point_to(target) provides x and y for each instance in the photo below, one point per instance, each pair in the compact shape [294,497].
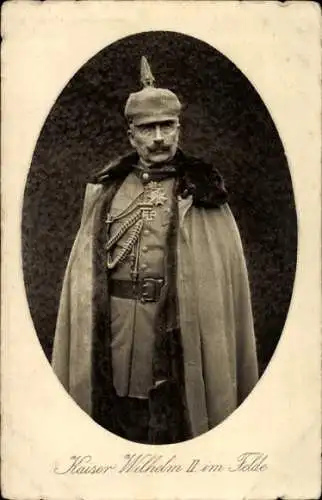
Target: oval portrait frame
[225,122]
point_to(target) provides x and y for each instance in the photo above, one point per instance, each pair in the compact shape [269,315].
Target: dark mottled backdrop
[224,117]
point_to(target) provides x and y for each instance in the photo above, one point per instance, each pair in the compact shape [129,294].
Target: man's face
[155,142]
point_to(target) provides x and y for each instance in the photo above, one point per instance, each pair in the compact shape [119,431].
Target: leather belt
[145,289]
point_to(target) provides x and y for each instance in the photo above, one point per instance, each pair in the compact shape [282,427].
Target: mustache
[158,149]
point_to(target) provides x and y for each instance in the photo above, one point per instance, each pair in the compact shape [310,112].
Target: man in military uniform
[154,336]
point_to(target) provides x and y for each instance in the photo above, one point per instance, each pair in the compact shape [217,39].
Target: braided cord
[123,229]
[126,250]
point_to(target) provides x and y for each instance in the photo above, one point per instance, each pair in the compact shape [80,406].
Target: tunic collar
[146,174]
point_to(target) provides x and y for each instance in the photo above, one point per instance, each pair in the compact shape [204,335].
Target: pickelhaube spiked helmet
[151,103]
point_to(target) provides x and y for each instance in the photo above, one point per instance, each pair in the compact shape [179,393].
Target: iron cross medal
[155,194]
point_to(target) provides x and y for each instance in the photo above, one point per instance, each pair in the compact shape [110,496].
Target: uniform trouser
[132,418]
[157,420]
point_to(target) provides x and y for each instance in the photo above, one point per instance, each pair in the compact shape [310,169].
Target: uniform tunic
[132,321]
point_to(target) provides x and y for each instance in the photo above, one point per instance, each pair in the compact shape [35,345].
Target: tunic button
[146,232]
[143,267]
[145,176]
[145,249]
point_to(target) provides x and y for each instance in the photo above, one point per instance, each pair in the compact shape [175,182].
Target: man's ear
[130,136]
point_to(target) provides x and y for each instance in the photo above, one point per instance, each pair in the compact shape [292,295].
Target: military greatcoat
[198,334]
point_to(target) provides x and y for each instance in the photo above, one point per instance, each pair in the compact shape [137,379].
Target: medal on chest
[154,196]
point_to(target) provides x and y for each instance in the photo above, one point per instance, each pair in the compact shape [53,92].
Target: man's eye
[167,126]
[145,129]
[167,130]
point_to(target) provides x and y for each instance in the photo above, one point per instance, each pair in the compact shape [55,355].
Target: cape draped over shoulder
[215,314]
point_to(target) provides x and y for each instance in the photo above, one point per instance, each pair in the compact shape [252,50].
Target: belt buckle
[151,288]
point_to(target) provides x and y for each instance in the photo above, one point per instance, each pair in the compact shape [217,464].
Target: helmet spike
[151,104]
[147,79]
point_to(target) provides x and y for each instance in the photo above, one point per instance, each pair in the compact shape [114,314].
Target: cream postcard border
[277,48]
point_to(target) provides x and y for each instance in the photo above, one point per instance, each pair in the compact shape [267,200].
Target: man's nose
[158,135]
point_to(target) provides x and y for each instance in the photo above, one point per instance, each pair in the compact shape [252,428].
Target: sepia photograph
[144,164]
[161,251]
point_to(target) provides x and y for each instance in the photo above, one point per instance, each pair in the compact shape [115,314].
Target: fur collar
[195,177]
